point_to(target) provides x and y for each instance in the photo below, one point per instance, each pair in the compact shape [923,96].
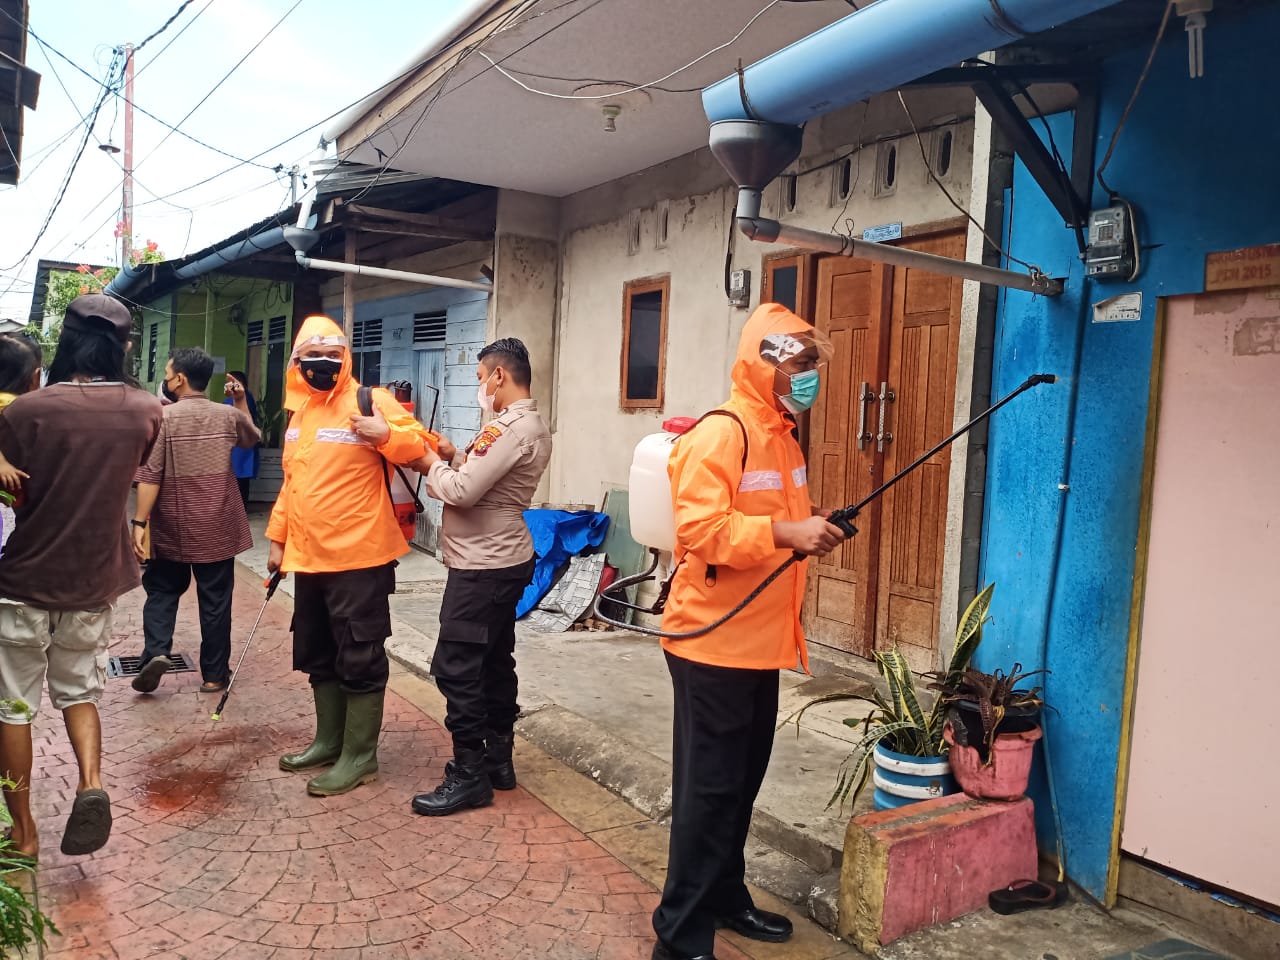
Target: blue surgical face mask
[804,391]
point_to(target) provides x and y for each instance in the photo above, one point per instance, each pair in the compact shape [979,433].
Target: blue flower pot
[900,779]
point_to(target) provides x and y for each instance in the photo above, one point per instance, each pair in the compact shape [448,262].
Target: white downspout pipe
[337,266]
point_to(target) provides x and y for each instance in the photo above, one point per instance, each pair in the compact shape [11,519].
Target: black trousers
[474,663]
[341,622]
[724,722]
[165,582]
[243,483]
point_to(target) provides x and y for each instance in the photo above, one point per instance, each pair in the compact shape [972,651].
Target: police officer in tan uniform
[489,552]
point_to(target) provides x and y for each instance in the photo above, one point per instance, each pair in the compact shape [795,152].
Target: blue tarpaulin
[557,536]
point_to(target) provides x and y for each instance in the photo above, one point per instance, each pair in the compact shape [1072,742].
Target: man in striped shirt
[188,495]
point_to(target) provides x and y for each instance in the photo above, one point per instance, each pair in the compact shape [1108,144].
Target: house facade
[1127,519]
[615,254]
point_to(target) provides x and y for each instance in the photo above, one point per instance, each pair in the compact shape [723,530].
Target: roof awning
[880,47]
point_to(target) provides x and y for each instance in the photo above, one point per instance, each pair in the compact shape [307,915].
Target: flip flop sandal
[89,825]
[1027,895]
[211,686]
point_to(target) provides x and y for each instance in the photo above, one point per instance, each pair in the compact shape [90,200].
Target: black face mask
[168,394]
[320,372]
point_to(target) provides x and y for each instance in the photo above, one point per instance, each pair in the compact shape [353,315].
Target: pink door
[1204,780]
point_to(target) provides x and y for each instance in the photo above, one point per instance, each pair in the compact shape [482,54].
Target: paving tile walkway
[218,853]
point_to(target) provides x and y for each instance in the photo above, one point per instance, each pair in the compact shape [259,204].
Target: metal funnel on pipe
[754,152]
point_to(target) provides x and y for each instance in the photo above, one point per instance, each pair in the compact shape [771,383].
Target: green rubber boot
[359,761]
[331,716]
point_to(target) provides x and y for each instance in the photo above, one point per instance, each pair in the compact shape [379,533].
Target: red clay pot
[1005,777]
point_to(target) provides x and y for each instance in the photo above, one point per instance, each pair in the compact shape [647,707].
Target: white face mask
[485,399]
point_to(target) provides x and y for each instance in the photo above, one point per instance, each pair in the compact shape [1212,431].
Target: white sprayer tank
[652,518]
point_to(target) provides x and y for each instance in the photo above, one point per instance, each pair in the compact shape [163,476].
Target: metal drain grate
[129,666]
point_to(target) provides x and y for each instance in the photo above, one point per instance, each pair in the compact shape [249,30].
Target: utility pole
[293,183]
[126,238]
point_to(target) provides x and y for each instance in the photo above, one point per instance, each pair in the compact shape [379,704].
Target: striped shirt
[199,516]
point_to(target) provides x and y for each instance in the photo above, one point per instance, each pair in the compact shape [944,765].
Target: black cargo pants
[474,663]
[341,622]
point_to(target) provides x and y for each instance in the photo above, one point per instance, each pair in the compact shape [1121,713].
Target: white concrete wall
[594,438]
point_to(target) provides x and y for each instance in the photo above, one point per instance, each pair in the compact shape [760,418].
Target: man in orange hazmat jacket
[742,506]
[333,526]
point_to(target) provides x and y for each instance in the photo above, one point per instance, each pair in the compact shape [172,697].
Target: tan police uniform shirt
[485,498]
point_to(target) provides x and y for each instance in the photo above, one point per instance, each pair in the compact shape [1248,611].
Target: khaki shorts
[67,646]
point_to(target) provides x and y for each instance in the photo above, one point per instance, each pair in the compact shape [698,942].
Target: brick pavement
[218,853]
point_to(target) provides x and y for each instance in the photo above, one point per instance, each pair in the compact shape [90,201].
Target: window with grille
[255,333]
[429,327]
[276,330]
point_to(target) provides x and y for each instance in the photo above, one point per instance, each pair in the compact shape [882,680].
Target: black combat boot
[497,757]
[466,784]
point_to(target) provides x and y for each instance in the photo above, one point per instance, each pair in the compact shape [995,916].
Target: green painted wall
[216,314]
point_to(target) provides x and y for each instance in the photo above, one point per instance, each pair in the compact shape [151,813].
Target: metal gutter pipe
[465,14]
[337,266]
[771,231]
[220,258]
[881,46]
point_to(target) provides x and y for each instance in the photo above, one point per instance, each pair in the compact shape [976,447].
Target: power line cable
[165,26]
[641,86]
[1133,97]
[924,155]
[176,127]
[66,180]
[172,40]
[147,113]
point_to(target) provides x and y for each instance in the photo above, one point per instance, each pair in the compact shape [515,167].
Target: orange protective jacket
[724,516]
[334,512]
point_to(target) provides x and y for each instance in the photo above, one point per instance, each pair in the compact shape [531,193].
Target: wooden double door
[887,397]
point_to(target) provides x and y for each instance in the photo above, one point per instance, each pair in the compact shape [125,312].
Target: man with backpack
[741,497]
[333,526]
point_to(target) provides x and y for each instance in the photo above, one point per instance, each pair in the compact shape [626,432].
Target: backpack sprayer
[842,519]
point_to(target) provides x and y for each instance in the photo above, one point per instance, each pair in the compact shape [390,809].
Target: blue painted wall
[1198,159]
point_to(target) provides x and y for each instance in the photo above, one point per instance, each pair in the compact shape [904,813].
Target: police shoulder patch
[486,439]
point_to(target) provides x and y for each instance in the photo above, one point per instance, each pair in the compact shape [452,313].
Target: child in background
[20,361]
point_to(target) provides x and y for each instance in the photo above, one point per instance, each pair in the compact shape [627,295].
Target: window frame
[806,265]
[631,289]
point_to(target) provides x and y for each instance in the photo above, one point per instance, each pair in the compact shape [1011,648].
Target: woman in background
[244,462]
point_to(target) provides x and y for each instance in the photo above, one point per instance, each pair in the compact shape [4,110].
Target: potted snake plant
[900,745]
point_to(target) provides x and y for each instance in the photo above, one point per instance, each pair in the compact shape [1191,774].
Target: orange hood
[315,329]
[752,374]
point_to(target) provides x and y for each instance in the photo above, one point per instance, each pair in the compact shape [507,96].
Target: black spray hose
[842,519]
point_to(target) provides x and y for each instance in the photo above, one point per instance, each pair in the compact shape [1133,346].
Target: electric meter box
[1112,251]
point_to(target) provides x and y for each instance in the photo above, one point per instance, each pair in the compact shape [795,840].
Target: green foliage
[66,285]
[898,717]
[21,923]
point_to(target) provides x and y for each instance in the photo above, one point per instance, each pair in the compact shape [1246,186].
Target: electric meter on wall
[1112,252]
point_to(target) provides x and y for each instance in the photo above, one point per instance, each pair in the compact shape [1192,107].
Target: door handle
[866,397]
[886,397]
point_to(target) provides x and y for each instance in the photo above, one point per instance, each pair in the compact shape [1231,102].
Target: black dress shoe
[662,951]
[759,925]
